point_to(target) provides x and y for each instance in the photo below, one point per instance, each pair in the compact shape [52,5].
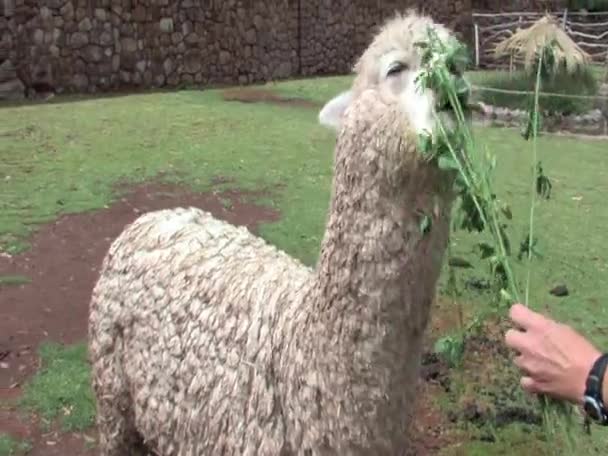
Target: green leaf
[461,87]
[543,187]
[525,250]
[543,183]
[425,224]
[506,296]
[506,210]
[459,183]
[425,144]
[487,250]
[505,239]
[472,219]
[457,262]
[451,348]
[447,163]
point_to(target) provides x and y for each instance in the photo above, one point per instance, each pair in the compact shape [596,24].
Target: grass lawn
[61,388]
[67,155]
[7,280]
[12,447]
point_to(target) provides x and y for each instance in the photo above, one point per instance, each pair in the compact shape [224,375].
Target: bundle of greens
[454,149]
[478,207]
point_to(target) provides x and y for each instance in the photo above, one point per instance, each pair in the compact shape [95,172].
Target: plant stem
[469,175]
[535,114]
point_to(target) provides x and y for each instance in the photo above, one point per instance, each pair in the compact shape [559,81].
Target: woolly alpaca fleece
[206,340]
[395,42]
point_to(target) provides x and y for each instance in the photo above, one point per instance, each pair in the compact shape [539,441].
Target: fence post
[565,18]
[8,8]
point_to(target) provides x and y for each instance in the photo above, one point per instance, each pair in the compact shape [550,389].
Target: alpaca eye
[396,68]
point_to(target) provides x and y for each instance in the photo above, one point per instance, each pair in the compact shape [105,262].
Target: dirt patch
[429,431]
[45,442]
[251,95]
[63,264]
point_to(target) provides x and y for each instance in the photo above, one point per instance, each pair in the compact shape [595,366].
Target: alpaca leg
[114,436]
[117,434]
[115,421]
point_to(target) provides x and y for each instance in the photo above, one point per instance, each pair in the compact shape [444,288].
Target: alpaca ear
[333,111]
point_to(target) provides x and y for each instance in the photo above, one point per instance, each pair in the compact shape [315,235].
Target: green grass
[61,390]
[319,90]
[13,280]
[12,447]
[68,156]
[567,225]
[514,439]
[589,5]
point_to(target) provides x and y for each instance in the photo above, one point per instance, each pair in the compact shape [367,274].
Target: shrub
[589,5]
[583,82]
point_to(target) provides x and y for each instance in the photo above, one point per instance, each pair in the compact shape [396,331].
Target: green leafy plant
[589,5]
[556,98]
[543,184]
[450,348]
[454,150]
[13,447]
[479,208]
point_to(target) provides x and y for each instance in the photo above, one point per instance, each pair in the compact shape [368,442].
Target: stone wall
[93,45]
[518,5]
[88,45]
[335,32]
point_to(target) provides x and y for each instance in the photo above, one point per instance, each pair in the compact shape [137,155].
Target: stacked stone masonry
[98,45]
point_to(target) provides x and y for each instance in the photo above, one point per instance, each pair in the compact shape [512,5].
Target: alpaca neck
[377,271]
[354,341]
[372,293]
[376,267]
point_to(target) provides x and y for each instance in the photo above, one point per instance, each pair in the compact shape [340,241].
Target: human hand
[555,359]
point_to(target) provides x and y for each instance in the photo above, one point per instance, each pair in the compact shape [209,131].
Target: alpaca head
[391,65]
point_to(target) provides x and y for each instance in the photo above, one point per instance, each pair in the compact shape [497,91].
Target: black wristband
[594,401]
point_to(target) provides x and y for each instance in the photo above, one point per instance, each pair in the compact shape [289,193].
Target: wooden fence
[588,30]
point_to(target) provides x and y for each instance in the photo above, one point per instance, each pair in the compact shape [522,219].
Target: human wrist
[585,370]
[596,392]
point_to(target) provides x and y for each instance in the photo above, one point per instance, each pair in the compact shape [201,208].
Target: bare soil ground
[63,264]
[260,95]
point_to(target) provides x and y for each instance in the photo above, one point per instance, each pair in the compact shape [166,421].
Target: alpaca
[206,340]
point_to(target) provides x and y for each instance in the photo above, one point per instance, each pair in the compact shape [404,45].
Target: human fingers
[529,385]
[517,340]
[527,319]
[523,363]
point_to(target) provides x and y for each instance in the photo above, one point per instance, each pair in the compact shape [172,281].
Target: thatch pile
[546,32]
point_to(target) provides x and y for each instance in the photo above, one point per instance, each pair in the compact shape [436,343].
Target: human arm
[555,359]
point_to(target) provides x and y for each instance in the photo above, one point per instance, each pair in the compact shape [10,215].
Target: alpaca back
[183,318]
